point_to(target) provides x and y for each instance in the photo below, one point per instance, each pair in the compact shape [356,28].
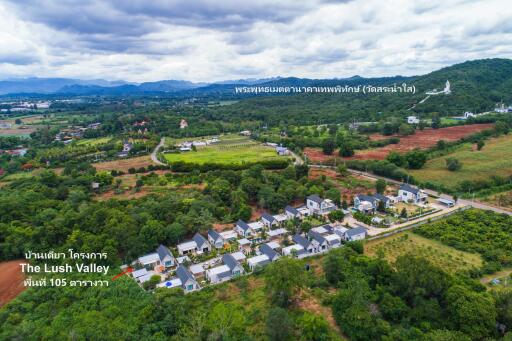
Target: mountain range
[490,78]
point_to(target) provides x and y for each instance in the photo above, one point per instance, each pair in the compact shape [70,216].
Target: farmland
[230,150]
[494,159]
[421,139]
[124,164]
[448,258]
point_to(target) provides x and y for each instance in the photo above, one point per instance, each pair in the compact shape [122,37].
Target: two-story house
[319,206]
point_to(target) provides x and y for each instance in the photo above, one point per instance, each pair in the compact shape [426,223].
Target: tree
[403,213]
[470,312]
[441,144]
[279,326]
[380,186]
[480,144]
[346,150]
[381,206]
[336,215]
[416,158]
[283,279]
[406,129]
[436,120]
[313,327]
[333,194]
[328,146]
[396,158]
[342,170]
[453,164]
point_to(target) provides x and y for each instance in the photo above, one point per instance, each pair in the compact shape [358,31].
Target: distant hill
[48,85]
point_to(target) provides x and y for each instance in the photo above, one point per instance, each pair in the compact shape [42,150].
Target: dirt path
[308,302]
[499,274]
[154,157]
[11,280]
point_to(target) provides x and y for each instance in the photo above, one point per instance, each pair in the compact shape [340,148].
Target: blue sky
[214,40]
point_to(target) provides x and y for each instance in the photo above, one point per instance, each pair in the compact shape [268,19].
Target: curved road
[155,151]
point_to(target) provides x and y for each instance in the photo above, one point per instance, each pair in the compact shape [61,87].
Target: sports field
[231,149]
[495,158]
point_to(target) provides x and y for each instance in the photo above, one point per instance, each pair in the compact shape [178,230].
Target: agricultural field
[421,139]
[448,258]
[231,149]
[494,159]
[94,141]
[349,185]
[124,164]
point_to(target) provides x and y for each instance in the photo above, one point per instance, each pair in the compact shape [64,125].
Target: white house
[202,244]
[268,220]
[242,228]
[272,254]
[323,245]
[308,246]
[188,282]
[162,257]
[258,261]
[357,233]
[187,247]
[412,194]
[294,249]
[413,120]
[333,240]
[317,205]
[370,203]
[215,239]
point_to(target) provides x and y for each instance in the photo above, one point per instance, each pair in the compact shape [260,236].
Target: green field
[94,141]
[232,149]
[446,257]
[494,159]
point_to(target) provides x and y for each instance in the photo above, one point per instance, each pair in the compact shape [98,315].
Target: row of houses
[369,204]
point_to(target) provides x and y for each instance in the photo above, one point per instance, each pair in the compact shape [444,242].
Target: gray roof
[230,261]
[184,275]
[268,217]
[268,251]
[409,188]
[243,225]
[226,274]
[163,252]
[315,198]
[316,236]
[214,234]
[292,210]
[381,197]
[329,228]
[355,231]
[301,241]
[199,239]
[364,197]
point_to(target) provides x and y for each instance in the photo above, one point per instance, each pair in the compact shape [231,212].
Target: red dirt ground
[11,280]
[422,139]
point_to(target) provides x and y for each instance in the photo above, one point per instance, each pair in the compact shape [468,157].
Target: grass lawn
[94,141]
[494,159]
[446,257]
[232,149]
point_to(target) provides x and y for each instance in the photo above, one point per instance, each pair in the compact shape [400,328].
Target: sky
[206,41]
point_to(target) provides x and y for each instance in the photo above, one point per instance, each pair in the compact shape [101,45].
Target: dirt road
[11,280]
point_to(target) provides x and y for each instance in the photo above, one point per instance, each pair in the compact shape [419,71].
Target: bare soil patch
[124,164]
[11,280]
[422,139]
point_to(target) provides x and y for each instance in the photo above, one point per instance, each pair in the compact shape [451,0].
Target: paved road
[464,202]
[155,151]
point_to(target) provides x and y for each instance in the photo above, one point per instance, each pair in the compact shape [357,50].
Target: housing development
[276,171]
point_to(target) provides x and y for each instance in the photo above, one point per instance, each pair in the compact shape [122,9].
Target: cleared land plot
[231,149]
[446,257]
[502,200]
[421,139]
[124,164]
[494,159]
[11,280]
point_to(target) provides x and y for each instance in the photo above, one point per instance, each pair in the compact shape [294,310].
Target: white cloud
[206,40]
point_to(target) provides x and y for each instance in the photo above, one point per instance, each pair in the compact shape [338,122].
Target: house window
[236,273]
[205,249]
[190,287]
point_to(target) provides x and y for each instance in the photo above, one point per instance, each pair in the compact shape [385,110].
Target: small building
[369,204]
[258,261]
[269,252]
[232,263]
[243,229]
[292,212]
[282,151]
[412,194]
[354,234]
[308,246]
[187,247]
[188,282]
[229,235]
[202,244]
[268,220]
[413,120]
[245,245]
[218,274]
[166,257]
[333,240]
[294,250]
[239,256]
[215,239]
[319,206]
[277,233]
[245,133]
[183,124]
[446,202]
[149,261]
[321,242]
[197,270]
